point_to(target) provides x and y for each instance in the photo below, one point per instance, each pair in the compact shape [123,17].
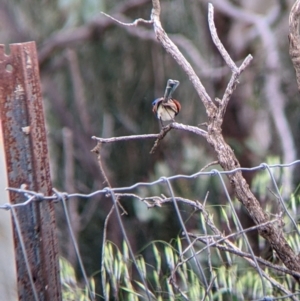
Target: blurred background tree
[100,78]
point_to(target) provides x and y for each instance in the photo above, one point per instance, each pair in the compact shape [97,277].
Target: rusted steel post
[27,163]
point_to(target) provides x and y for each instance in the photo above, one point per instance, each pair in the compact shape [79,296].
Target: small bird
[166,108]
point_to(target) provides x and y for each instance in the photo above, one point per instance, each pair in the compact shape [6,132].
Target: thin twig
[161,136]
[125,138]
[213,31]
[97,151]
[209,164]
[231,64]
[134,23]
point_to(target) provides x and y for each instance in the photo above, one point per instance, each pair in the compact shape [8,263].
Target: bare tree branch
[234,69]
[173,125]
[274,96]
[217,41]
[134,23]
[218,240]
[226,156]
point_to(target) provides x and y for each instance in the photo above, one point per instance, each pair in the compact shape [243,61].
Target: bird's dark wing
[173,104]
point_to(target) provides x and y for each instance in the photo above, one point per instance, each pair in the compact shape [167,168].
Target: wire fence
[196,258]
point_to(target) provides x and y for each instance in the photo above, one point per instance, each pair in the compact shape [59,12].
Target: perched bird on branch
[166,108]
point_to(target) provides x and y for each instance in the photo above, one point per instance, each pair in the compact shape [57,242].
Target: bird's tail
[170,88]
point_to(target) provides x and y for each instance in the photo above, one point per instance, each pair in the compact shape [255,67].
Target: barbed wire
[218,240]
[37,196]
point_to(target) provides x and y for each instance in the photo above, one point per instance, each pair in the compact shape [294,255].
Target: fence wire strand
[214,172]
[240,228]
[217,240]
[22,244]
[62,198]
[111,193]
[201,272]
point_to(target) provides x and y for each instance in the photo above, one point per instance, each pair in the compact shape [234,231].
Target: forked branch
[225,154]
[270,231]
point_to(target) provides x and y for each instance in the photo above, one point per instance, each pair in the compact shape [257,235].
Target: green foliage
[170,273]
[230,282]
[71,289]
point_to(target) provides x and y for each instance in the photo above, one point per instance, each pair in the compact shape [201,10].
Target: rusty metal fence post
[27,164]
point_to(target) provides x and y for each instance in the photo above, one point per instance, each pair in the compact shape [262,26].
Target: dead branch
[218,240]
[97,151]
[160,136]
[225,154]
[234,69]
[134,23]
[274,96]
[214,137]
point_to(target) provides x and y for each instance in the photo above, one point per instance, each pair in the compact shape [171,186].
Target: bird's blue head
[155,101]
